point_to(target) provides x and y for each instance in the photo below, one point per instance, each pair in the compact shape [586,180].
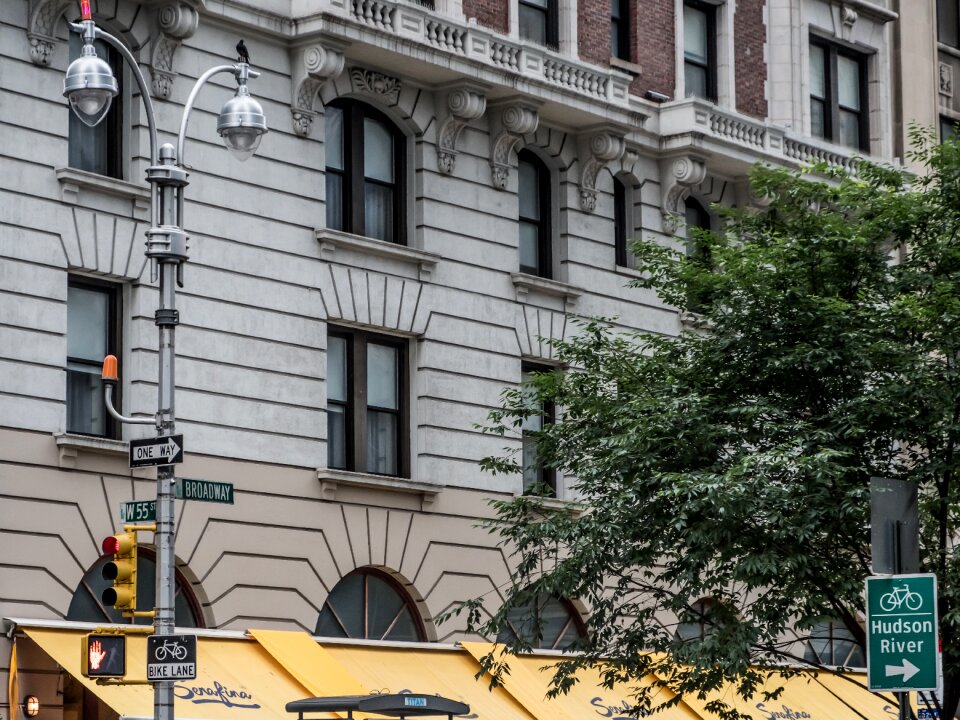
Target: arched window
[558,623]
[98,149]
[831,643]
[697,217]
[620,230]
[533,195]
[697,623]
[86,605]
[364,171]
[370,605]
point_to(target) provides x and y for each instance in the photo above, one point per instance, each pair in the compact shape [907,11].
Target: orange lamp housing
[109,372]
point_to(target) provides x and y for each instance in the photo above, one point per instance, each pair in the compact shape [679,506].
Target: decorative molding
[597,147]
[41,28]
[463,103]
[332,240]
[330,479]
[946,79]
[527,285]
[312,66]
[176,21]
[677,177]
[385,88]
[74,182]
[514,119]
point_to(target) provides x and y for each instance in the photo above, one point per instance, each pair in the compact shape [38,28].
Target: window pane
[383,605]
[529,248]
[382,432]
[818,118]
[695,80]
[334,201]
[337,368]
[97,149]
[378,211]
[553,621]
[333,124]
[405,629]
[848,88]
[818,72]
[377,151]
[695,34]
[533,24]
[382,375]
[947,128]
[346,599]
[614,35]
[86,411]
[87,319]
[337,436]
[948,22]
[849,129]
[528,190]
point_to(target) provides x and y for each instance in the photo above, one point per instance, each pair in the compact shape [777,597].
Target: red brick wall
[749,36]
[593,31]
[652,39]
[494,14]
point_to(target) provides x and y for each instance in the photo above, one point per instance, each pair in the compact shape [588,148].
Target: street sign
[166,450]
[205,490]
[138,511]
[902,633]
[171,657]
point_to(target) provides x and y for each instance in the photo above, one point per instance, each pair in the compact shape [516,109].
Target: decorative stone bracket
[463,102]
[512,120]
[597,147]
[312,66]
[677,176]
[41,28]
[177,21]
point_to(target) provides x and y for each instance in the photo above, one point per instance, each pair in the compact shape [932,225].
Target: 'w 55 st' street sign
[902,632]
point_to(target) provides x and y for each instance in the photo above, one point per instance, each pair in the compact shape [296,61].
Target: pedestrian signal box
[104,655]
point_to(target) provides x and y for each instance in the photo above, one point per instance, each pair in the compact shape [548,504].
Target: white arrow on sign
[168,450]
[908,670]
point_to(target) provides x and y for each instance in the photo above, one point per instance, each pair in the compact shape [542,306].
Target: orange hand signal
[96,655]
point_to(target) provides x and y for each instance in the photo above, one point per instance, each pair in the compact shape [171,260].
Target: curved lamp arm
[108,397]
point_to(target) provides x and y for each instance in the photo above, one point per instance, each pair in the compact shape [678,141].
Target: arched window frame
[542,224]
[366,573]
[699,628]
[349,215]
[533,610]
[830,643]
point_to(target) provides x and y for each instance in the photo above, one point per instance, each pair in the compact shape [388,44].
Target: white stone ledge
[73,182]
[526,285]
[330,479]
[332,240]
[70,445]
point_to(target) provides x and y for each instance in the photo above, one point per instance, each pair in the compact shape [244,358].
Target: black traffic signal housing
[122,571]
[104,655]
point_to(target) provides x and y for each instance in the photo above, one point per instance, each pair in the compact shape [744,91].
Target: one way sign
[167,450]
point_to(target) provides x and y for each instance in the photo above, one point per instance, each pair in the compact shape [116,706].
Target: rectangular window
[620,29]
[948,128]
[700,50]
[92,333]
[838,95]
[620,221]
[98,149]
[366,403]
[948,22]
[535,474]
[539,22]
[533,197]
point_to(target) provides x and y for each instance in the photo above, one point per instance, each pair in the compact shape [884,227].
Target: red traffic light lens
[111,545]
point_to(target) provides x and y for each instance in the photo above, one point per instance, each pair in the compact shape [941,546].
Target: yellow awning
[529,682]
[236,678]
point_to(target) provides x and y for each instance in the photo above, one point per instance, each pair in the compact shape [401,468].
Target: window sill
[626,66]
[70,445]
[331,478]
[628,271]
[571,507]
[73,182]
[525,284]
[694,321]
[331,240]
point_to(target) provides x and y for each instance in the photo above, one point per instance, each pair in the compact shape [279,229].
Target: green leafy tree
[734,462]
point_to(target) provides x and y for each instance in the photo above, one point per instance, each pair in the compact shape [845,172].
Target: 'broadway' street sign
[902,632]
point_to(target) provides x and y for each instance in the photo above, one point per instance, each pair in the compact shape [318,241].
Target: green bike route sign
[902,633]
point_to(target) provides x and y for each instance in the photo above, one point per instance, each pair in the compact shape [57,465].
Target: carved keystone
[513,119]
[312,66]
[464,102]
[597,147]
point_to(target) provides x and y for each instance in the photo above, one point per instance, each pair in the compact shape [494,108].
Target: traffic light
[122,570]
[104,655]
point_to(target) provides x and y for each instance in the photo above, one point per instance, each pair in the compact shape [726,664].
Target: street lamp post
[90,87]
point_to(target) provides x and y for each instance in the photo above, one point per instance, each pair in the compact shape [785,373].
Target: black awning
[403,705]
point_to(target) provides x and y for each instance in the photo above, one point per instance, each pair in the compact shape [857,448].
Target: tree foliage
[734,462]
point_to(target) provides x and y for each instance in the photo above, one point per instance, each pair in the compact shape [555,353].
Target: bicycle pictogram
[171,649]
[900,597]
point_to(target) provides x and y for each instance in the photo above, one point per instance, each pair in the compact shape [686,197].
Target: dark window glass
[364,172]
[92,321]
[699,50]
[536,476]
[697,217]
[620,29]
[539,21]
[838,95]
[533,197]
[620,221]
[98,149]
[86,606]
[366,408]
[369,605]
[831,643]
[548,623]
[948,128]
[948,22]
[697,622]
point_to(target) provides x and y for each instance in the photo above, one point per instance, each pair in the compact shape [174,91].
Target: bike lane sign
[902,633]
[171,657]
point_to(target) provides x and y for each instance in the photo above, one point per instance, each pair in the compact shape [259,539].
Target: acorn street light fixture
[90,87]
